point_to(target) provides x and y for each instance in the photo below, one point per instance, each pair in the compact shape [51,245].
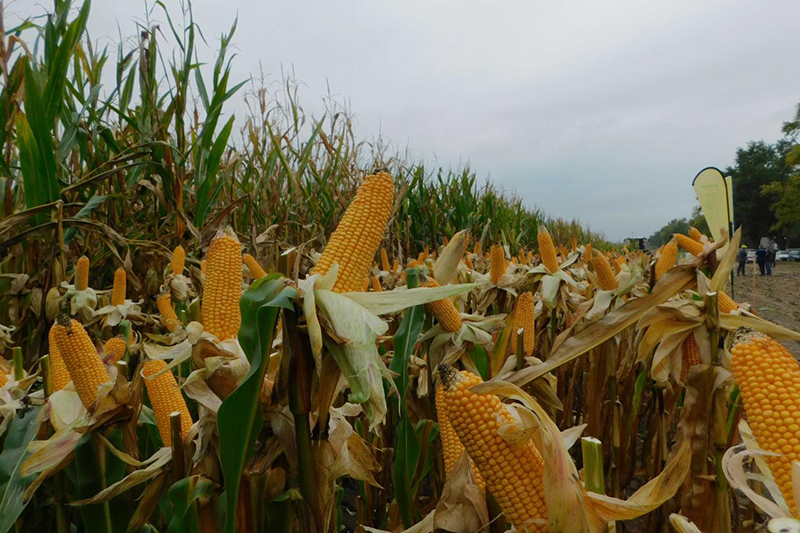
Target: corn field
[269,325]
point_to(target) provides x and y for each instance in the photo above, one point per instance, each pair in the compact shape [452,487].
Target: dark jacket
[761,255]
[742,256]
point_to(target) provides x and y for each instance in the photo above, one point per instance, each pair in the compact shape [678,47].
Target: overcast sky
[602,111]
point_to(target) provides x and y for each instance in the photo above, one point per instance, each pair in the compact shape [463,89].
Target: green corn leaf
[181,496]
[21,431]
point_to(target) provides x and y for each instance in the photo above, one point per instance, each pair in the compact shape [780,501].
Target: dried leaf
[462,507]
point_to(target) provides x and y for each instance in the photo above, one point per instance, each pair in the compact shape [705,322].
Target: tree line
[766,192]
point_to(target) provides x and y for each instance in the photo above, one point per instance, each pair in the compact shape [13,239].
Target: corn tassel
[220,305]
[165,398]
[85,368]
[359,234]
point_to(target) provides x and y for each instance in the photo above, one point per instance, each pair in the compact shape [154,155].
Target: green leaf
[181,496]
[239,419]
[21,431]
[85,211]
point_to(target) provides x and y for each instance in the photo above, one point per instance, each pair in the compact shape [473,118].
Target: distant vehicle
[794,254]
[783,255]
[751,256]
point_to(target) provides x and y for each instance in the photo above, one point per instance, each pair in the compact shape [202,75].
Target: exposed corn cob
[365,285]
[178,260]
[587,254]
[574,243]
[478,249]
[220,306]
[59,375]
[695,234]
[521,256]
[3,378]
[396,265]
[165,398]
[497,263]
[120,287]
[546,249]
[82,274]
[669,253]
[444,310]
[203,266]
[605,278]
[513,261]
[359,234]
[725,302]
[469,264]
[385,266]
[690,245]
[114,348]
[525,319]
[169,318]
[422,257]
[452,449]
[252,265]
[376,285]
[769,380]
[530,257]
[514,477]
[85,368]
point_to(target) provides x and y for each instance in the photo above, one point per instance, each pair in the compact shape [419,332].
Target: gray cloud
[602,111]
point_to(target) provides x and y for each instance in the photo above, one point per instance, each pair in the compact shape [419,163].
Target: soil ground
[775,298]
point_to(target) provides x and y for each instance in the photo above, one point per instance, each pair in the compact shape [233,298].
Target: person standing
[742,257]
[770,260]
[761,259]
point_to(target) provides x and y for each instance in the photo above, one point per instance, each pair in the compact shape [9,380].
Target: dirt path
[775,298]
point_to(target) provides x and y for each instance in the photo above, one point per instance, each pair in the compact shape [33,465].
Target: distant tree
[698,221]
[662,236]
[757,165]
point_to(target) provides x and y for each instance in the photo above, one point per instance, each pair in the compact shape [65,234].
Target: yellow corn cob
[220,306]
[3,378]
[421,257]
[85,368]
[769,380]
[169,318]
[252,265]
[514,477]
[178,260]
[385,266]
[525,319]
[546,249]
[59,375]
[690,245]
[427,251]
[444,310]
[82,273]
[691,355]
[530,258]
[396,265]
[452,449]
[120,287]
[695,234]
[514,261]
[605,278]
[574,243]
[469,263]
[497,263]
[203,266]
[521,256]
[622,260]
[114,348]
[725,302]
[359,234]
[365,285]
[446,240]
[165,398]
[376,284]
[667,260]
[587,254]
[478,249]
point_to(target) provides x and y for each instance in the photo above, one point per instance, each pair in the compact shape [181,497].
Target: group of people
[765,259]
